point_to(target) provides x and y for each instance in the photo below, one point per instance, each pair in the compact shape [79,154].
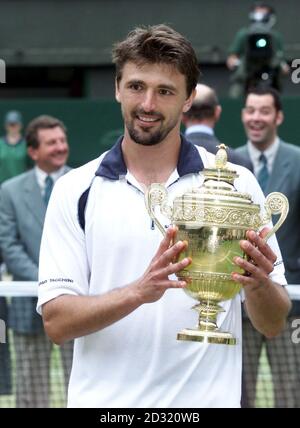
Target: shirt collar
[270,152]
[41,175]
[113,165]
[21,140]
[199,128]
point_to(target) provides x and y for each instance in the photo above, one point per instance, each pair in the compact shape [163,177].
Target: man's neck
[151,164]
[206,122]
[263,146]
[13,138]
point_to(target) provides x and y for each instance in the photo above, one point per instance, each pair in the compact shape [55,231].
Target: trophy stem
[208,315]
[207,330]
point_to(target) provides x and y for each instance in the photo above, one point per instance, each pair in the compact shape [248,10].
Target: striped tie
[48,188]
[263,175]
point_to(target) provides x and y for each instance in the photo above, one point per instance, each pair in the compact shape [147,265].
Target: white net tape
[25,288]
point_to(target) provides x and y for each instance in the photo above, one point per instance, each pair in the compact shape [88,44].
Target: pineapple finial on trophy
[221,157]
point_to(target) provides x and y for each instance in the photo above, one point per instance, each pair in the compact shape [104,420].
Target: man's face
[13,127]
[152,97]
[53,149]
[261,119]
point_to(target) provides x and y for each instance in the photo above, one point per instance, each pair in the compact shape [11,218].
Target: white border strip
[18,288]
[27,288]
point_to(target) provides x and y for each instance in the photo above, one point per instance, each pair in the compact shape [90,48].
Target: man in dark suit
[276,166]
[200,121]
[23,202]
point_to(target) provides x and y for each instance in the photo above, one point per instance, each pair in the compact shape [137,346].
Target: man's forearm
[267,307]
[68,317]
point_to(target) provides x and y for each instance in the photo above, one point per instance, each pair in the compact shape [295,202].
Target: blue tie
[48,188]
[263,175]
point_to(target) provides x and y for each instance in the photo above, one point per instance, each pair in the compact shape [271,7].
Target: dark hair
[266,90]
[158,44]
[203,108]
[41,122]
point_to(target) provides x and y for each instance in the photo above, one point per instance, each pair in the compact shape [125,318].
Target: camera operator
[256,54]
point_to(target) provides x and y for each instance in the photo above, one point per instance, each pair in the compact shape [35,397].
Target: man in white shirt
[23,201]
[276,166]
[106,276]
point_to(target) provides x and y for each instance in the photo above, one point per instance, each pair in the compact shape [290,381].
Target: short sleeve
[63,265]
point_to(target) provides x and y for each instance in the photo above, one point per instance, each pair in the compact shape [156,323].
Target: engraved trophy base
[216,337]
[207,330]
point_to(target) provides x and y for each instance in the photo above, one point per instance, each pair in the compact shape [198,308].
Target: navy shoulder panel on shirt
[82,206]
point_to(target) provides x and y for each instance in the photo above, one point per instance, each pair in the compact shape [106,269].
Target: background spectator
[23,202]
[276,166]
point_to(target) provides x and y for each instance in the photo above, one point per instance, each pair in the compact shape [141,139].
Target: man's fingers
[170,255]
[245,280]
[263,233]
[167,283]
[248,266]
[260,243]
[174,267]
[256,257]
[166,242]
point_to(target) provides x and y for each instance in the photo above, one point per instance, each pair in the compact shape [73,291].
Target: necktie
[48,188]
[263,175]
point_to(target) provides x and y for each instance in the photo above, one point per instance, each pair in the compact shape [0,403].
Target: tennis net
[35,373]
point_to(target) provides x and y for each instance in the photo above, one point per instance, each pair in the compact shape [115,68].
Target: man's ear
[218,111]
[32,152]
[279,118]
[189,101]
[117,92]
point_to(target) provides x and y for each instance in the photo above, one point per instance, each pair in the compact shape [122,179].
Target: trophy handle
[276,203]
[157,194]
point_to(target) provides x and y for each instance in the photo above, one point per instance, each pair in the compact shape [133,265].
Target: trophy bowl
[213,219]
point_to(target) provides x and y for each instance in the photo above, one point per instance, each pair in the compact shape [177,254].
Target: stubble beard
[262,141]
[147,136]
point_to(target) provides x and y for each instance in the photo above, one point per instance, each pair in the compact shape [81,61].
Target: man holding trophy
[106,275]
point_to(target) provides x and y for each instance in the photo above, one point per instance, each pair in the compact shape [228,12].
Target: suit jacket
[209,142]
[285,178]
[22,213]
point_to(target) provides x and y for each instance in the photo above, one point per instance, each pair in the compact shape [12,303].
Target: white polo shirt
[137,361]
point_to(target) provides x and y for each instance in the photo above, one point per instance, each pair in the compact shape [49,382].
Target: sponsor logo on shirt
[51,280]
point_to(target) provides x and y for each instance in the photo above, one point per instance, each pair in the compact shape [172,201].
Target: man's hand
[259,262]
[267,303]
[152,285]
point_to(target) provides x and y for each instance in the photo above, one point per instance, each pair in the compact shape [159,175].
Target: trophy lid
[217,201]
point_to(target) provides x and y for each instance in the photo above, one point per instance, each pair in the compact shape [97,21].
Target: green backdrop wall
[82,32]
[93,126]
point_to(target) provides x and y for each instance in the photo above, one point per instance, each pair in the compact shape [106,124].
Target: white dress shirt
[41,177]
[270,154]
[199,128]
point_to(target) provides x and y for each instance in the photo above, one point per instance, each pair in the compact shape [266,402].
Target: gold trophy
[213,219]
